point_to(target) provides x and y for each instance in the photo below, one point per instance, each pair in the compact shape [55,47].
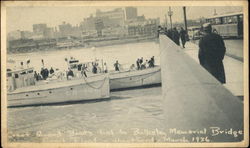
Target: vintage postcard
[124,74]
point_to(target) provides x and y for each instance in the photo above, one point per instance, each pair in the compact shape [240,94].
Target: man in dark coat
[176,36]
[211,53]
[183,35]
[170,34]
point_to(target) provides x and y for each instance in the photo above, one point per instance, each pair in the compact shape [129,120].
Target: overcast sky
[22,18]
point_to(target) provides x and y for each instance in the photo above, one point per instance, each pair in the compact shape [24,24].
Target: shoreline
[93,44]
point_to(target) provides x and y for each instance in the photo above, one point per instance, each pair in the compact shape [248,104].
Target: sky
[22,18]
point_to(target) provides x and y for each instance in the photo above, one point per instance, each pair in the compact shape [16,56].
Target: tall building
[99,26]
[88,23]
[131,13]
[113,18]
[65,29]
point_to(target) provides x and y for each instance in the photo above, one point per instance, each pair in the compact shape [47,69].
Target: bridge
[195,100]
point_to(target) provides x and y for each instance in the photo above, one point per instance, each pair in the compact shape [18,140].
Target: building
[114,18]
[89,33]
[131,13]
[15,35]
[143,28]
[49,33]
[88,23]
[115,32]
[65,29]
[99,25]
[39,28]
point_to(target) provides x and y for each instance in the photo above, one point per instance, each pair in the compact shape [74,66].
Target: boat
[135,78]
[125,79]
[24,90]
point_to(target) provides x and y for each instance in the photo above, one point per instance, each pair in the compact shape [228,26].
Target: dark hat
[207,26]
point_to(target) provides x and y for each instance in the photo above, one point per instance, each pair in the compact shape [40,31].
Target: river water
[128,116]
[126,54]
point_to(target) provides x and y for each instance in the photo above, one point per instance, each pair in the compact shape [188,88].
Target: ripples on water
[142,109]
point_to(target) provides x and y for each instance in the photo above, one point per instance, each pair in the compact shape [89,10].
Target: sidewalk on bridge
[233,69]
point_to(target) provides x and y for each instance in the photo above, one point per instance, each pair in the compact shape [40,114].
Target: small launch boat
[135,78]
[24,90]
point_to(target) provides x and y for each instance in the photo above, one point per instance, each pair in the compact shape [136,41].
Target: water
[125,111]
[126,54]
[128,116]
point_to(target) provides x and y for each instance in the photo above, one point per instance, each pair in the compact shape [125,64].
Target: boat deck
[47,85]
[128,73]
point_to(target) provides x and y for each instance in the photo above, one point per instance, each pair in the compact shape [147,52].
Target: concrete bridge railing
[195,100]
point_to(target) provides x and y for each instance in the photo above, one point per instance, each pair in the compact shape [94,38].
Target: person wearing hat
[183,35]
[211,53]
[176,36]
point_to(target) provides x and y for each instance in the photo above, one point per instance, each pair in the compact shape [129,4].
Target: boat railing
[134,70]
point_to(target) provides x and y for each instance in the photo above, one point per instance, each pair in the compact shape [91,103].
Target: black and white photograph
[135,73]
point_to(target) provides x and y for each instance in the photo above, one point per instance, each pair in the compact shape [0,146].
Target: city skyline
[25,17]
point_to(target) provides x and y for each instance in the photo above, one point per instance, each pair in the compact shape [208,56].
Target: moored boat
[135,78]
[24,90]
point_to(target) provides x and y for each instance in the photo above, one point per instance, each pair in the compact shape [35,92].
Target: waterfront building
[113,18]
[143,28]
[26,34]
[88,23]
[115,32]
[14,35]
[131,13]
[49,33]
[65,29]
[99,26]
[89,33]
[39,29]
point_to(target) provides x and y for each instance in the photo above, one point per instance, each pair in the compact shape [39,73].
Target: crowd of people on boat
[140,64]
[145,64]
[175,35]
[44,74]
[92,67]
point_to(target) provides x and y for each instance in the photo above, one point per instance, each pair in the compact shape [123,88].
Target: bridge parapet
[195,100]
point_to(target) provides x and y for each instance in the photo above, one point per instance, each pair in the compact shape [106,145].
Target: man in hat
[176,36]
[183,35]
[211,53]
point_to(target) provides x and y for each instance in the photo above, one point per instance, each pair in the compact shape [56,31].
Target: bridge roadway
[233,68]
[194,99]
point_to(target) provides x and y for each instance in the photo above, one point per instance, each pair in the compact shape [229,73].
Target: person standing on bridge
[211,53]
[176,36]
[183,35]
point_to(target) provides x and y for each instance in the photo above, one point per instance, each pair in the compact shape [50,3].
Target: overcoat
[211,54]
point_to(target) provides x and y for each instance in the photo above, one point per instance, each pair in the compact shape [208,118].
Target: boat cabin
[20,78]
[75,65]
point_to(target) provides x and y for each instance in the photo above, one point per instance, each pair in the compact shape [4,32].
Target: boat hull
[137,78]
[93,88]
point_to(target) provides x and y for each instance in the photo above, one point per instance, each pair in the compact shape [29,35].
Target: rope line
[94,86]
